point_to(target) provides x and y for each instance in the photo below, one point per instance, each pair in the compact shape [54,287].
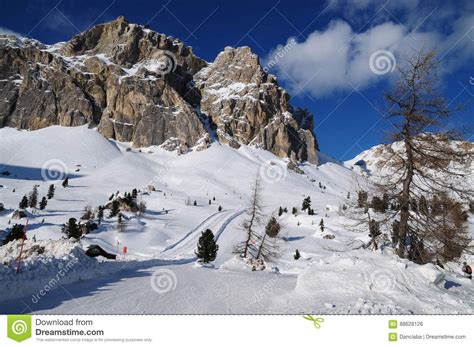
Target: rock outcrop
[249,107]
[139,86]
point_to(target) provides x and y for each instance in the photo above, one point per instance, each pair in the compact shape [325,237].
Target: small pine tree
[100,214]
[71,229]
[294,210]
[88,213]
[374,232]
[297,255]
[207,247]
[195,203]
[310,212]
[134,193]
[141,207]
[362,197]
[111,197]
[114,209]
[306,203]
[120,223]
[280,211]
[321,225]
[210,202]
[24,202]
[65,182]
[285,210]
[214,198]
[220,208]
[33,200]
[43,203]
[378,204]
[348,195]
[268,248]
[17,233]
[51,190]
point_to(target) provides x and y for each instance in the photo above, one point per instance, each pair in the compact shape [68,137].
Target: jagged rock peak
[113,76]
[248,107]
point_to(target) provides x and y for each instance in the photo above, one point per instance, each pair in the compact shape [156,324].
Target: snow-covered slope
[332,276]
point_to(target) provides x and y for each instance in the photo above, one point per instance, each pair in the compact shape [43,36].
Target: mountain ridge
[137,85]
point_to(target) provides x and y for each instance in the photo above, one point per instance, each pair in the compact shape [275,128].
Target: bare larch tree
[251,222]
[430,160]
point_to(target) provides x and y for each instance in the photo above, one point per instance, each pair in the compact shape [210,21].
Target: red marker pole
[21,248]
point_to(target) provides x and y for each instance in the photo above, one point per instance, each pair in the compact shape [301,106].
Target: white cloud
[336,58]
[6,31]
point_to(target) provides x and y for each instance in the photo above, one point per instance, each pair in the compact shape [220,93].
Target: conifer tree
[17,233]
[24,202]
[120,223]
[33,200]
[114,209]
[420,115]
[207,247]
[268,248]
[297,255]
[252,220]
[321,225]
[43,203]
[51,190]
[100,214]
[306,203]
[65,182]
[280,211]
[71,229]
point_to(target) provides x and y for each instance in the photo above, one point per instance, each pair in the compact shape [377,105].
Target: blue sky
[325,65]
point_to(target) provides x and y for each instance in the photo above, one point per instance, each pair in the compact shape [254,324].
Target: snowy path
[197,290]
[217,222]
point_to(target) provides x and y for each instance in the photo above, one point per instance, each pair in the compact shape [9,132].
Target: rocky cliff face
[143,87]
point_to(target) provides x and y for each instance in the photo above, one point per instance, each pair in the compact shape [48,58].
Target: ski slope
[332,276]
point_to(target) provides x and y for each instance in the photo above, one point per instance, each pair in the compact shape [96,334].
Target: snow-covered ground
[159,273]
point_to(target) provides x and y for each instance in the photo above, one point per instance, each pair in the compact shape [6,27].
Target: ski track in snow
[217,221]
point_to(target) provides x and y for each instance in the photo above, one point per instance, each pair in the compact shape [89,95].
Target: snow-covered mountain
[372,163]
[159,274]
[140,86]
